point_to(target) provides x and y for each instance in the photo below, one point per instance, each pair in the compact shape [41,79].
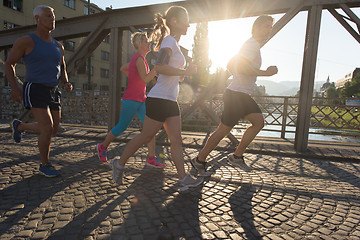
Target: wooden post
[307,78]
[284,117]
[115,76]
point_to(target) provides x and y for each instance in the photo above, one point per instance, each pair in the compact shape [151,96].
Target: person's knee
[222,130]
[259,124]
[176,142]
[147,139]
[46,130]
[55,130]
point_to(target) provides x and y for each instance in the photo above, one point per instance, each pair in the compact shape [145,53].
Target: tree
[332,94]
[201,54]
[351,89]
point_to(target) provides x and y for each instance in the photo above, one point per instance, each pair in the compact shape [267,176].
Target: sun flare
[225,40]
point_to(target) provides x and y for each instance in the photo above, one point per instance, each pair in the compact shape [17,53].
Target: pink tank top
[136,88]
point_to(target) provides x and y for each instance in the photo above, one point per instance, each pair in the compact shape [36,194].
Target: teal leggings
[128,110]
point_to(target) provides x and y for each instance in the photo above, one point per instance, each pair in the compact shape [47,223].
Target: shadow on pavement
[240,202]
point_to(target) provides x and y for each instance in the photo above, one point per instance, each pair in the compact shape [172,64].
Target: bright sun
[225,40]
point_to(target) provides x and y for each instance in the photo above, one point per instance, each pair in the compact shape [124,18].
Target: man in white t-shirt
[238,104]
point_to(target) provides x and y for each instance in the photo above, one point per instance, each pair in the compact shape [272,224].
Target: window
[105,55]
[69,45]
[9,25]
[104,87]
[86,10]
[104,73]
[107,39]
[69,3]
[83,69]
[14,4]
[85,86]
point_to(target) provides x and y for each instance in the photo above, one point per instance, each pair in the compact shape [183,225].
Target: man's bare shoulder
[25,40]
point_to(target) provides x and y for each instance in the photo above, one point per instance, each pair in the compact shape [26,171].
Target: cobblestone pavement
[282,198]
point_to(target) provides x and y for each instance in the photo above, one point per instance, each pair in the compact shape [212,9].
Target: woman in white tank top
[161,104]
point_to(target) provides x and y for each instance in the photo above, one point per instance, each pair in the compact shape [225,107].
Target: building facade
[16,13]
[348,77]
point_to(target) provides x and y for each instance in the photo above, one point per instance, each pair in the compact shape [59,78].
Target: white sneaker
[188,182]
[239,162]
[117,173]
[200,167]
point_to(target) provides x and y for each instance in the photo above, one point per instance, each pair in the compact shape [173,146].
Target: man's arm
[18,50]
[64,77]
[243,66]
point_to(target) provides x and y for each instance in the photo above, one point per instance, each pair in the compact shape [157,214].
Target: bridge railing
[280,112]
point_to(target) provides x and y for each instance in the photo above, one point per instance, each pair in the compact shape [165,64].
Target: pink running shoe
[102,152]
[154,163]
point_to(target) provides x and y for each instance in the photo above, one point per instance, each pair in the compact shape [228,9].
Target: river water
[314,133]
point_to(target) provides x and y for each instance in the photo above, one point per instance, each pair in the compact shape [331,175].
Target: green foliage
[331,94]
[351,89]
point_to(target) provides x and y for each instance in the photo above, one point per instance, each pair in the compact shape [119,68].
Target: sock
[117,165]
[151,158]
[237,157]
[198,161]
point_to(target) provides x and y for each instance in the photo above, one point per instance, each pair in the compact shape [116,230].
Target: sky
[338,52]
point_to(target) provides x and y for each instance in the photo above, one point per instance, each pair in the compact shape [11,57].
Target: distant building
[348,77]
[324,87]
[16,13]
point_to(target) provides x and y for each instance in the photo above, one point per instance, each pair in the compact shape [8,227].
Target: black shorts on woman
[160,109]
[237,105]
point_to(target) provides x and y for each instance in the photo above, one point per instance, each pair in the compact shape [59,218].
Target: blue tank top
[43,62]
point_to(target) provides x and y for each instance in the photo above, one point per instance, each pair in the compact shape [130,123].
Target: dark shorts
[160,109]
[36,95]
[237,105]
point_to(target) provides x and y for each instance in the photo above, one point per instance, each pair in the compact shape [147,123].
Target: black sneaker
[15,131]
[200,167]
[239,162]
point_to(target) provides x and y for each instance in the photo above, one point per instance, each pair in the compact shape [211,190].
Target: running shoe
[155,163]
[102,152]
[117,173]
[15,131]
[200,167]
[48,170]
[188,182]
[239,162]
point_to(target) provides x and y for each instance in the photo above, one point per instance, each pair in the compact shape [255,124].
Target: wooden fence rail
[280,112]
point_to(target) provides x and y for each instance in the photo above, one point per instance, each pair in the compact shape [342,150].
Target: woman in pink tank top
[133,100]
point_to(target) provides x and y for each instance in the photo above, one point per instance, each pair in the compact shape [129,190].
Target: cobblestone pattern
[282,198]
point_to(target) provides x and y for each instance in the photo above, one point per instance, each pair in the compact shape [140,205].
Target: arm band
[163,57]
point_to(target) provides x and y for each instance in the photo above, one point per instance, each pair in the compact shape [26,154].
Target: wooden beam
[140,17]
[307,78]
[115,76]
[351,14]
[347,26]
[284,20]
[86,47]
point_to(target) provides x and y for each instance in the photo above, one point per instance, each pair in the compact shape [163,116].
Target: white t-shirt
[167,87]
[245,83]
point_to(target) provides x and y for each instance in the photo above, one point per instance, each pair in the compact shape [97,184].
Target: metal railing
[280,113]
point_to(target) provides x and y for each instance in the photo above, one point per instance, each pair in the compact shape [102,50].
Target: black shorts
[237,105]
[160,109]
[36,95]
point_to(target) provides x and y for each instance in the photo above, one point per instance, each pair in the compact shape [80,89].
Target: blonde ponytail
[160,31]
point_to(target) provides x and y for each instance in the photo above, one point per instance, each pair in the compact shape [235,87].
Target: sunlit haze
[337,54]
